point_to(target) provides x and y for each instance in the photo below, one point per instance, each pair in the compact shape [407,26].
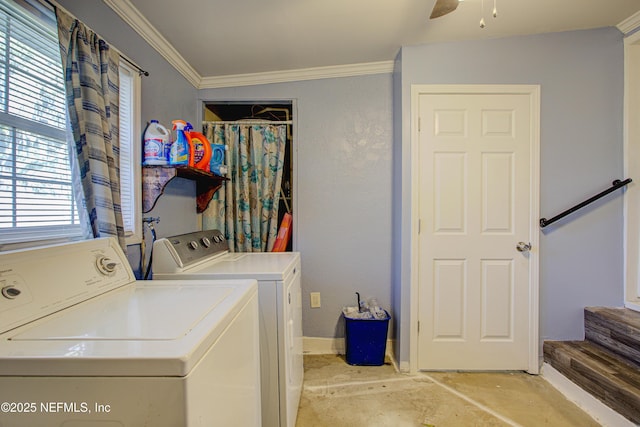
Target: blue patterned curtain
[92,86]
[246,207]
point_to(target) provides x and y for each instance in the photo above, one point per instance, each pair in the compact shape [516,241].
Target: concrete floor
[337,394]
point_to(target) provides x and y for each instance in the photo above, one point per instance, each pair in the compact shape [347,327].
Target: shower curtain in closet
[245,208]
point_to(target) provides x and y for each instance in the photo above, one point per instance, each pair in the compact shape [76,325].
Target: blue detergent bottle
[181,150]
[217,165]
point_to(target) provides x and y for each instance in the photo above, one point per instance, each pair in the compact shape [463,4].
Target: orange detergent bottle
[201,149]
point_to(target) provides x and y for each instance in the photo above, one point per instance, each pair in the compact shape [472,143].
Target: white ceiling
[224,37]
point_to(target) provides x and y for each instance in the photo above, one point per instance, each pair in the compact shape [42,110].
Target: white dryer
[205,255]
[82,343]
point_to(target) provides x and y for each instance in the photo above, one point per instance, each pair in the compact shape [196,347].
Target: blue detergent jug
[217,159]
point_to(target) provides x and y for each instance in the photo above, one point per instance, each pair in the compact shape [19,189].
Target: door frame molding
[631,167]
[533,91]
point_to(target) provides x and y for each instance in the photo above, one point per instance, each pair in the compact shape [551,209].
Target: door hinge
[418,326]
[419,225]
[419,123]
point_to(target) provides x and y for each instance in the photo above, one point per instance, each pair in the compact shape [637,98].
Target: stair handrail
[614,186]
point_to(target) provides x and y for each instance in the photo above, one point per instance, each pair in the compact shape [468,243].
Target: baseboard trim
[592,406]
[312,345]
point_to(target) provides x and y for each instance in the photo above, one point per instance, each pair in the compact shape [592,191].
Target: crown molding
[143,27]
[132,16]
[630,24]
[285,76]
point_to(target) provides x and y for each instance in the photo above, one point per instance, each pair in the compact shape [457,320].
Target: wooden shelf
[156,178]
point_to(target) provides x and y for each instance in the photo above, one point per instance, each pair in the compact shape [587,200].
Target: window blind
[36,198]
[129,160]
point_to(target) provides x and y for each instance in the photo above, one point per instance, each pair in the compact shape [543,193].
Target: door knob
[523,247]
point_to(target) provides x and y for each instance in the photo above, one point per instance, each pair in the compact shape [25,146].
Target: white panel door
[475,214]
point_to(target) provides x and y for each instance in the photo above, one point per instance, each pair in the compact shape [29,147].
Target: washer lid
[135,313]
[148,328]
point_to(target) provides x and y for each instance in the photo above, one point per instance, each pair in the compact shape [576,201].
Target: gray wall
[166,96]
[581,79]
[343,206]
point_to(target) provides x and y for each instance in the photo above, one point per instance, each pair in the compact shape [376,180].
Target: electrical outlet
[315,299]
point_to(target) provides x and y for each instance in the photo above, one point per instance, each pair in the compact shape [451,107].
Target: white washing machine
[82,343]
[205,255]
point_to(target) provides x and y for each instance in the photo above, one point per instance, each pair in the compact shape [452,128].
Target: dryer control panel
[183,250]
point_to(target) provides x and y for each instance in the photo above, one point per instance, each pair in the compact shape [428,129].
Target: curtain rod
[52,5]
[141,72]
[248,122]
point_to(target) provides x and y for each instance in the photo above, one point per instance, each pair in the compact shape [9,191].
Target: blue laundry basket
[365,340]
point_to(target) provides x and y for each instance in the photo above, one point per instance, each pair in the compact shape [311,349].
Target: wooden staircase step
[617,329]
[602,373]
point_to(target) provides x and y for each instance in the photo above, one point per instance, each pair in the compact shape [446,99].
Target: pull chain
[495,12]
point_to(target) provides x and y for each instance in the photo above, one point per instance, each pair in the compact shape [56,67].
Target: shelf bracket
[156,178]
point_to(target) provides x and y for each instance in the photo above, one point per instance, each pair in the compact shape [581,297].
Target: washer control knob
[193,245]
[10,292]
[205,242]
[220,238]
[105,265]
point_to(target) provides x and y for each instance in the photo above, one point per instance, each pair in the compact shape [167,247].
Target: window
[129,156]
[36,189]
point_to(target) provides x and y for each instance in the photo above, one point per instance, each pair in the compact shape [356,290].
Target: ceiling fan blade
[442,7]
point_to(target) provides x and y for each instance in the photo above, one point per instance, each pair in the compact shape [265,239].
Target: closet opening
[279,112]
